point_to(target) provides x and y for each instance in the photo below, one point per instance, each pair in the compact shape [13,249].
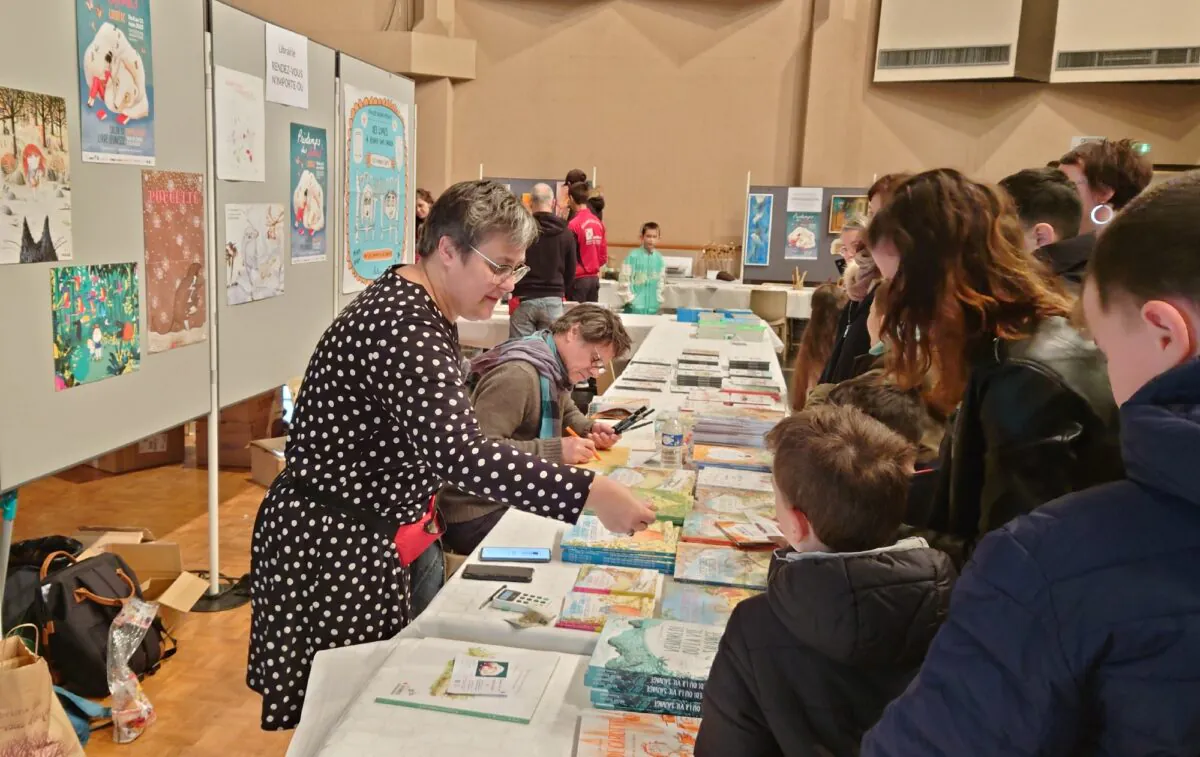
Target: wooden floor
[204,708]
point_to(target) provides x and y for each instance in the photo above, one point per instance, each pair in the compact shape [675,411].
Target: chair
[771,306]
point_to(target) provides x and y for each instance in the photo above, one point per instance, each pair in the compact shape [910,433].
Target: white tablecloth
[337,676]
[704,293]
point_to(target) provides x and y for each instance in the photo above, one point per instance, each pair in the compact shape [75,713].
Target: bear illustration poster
[94,312]
[254,237]
[35,193]
[241,119]
[116,81]
[310,176]
[376,213]
[173,227]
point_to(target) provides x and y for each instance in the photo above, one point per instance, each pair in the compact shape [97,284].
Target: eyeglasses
[598,363]
[503,273]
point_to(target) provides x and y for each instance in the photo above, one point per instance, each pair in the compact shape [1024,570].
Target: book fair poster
[254,236]
[35,196]
[94,317]
[804,206]
[116,81]
[759,208]
[376,214]
[173,231]
[309,176]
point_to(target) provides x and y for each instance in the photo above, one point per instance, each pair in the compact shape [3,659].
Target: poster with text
[287,67]
[94,317]
[376,215]
[310,176]
[35,196]
[254,236]
[116,81]
[241,124]
[173,228]
[758,229]
[802,233]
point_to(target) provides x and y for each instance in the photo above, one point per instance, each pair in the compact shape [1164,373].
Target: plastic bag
[132,712]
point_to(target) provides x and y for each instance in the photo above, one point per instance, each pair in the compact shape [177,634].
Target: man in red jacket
[592,247]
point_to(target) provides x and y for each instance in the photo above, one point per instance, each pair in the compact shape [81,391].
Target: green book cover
[663,648]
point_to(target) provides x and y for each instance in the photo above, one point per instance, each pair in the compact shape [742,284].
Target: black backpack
[75,608]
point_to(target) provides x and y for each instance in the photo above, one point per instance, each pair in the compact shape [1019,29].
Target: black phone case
[497,572]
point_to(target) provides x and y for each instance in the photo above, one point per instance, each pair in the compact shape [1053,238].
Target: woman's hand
[576,451]
[618,509]
[604,436]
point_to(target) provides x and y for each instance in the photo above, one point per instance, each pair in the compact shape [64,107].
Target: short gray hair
[542,196]
[597,325]
[471,211]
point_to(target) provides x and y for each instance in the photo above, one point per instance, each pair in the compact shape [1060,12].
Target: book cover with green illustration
[670,650]
[721,566]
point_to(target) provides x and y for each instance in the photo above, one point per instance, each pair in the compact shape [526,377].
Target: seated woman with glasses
[523,399]
[383,421]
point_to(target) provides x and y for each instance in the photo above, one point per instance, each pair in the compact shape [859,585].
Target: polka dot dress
[383,420]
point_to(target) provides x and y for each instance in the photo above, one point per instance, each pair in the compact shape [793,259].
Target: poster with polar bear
[254,236]
[309,172]
[804,206]
[116,82]
[376,213]
[241,125]
[35,193]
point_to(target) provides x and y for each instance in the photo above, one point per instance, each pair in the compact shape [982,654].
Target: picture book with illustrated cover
[588,533]
[721,566]
[701,528]
[707,605]
[668,489]
[632,734]
[589,612]
[673,652]
[606,579]
[739,458]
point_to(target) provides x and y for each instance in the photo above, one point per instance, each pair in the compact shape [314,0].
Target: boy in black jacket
[808,667]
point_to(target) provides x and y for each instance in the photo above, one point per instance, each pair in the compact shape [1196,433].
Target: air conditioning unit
[954,40]
[1114,40]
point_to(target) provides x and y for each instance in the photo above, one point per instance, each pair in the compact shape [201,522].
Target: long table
[706,293]
[338,675]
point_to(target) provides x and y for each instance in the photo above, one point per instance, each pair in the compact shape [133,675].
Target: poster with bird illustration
[254,250]
[94,316]
[173,230]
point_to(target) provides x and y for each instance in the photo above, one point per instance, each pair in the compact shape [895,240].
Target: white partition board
[364,76]
[264,343]
[43,431]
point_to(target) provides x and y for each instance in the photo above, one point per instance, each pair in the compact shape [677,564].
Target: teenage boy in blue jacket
[1076,629]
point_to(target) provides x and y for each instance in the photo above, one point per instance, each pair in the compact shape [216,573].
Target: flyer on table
[310,178]
[116,81]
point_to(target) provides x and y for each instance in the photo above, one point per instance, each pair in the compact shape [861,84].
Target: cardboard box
[155,450]
[240,425]
[158,565]
[453,563]
[266,459]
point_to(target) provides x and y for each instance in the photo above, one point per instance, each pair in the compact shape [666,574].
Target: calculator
[519,601]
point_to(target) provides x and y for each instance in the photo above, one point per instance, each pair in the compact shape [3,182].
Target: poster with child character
[94,313]
[116,81]
[310,171]
[35,195]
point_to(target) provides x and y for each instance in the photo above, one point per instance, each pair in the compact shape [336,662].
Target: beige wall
[673,101]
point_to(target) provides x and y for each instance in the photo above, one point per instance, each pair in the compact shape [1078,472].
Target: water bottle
[670,447]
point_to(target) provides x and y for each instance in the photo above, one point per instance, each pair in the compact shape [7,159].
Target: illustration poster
[94,315]
[254,237]
[310,174]
[758,229]
[843,208]
[35,195]
[802,231]
[173,229]
[116,81]
[241,124]
[376,187]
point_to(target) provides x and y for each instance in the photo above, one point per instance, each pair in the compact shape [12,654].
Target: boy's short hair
[580,191]
[650,226]
[1151,250]
[901,410]
[847,472]
[1114,164]
[1045,195]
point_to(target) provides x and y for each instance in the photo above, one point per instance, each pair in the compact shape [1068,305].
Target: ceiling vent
[1098,41]
[954,40]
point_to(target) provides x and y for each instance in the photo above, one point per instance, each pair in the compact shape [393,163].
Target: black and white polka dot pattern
[382,422]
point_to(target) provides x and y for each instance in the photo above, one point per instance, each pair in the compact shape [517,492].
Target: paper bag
[32,720]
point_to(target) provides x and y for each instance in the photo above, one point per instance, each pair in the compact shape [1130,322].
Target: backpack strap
[51,558]
[82,594]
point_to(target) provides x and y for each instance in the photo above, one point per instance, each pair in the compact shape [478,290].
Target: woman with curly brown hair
[966,304]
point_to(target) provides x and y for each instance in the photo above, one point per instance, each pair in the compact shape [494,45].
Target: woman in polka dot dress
[382,422]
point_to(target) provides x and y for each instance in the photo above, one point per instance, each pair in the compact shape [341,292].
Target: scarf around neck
[868,275]
[539,351]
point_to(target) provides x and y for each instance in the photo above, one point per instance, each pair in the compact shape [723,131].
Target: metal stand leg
[8,507]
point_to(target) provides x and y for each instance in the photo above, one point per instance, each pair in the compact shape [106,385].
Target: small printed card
[756,532]
[481,677]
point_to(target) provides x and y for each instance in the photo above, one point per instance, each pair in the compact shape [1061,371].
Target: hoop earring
[1108,218]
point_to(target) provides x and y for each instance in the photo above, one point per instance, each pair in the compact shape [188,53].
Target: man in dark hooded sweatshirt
[808,667]
[551,261]
[1049,207]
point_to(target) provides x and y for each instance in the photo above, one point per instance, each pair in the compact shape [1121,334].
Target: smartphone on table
[515,554]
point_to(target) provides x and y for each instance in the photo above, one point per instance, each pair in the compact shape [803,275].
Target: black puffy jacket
[1037,421]
[808,667]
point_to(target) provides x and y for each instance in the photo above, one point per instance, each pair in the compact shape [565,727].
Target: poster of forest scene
[95,320]
[35,193]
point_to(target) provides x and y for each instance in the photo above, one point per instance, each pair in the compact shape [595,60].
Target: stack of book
[722,566]
[730,492]
[634,734]
[734,397]
[735,427]
[689,376]
[589,542]
[602,592]
[707,605]
[652,666]
[738,458]
[668,489]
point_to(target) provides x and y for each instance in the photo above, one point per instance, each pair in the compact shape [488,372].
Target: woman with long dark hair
[817,342]
[967,305]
